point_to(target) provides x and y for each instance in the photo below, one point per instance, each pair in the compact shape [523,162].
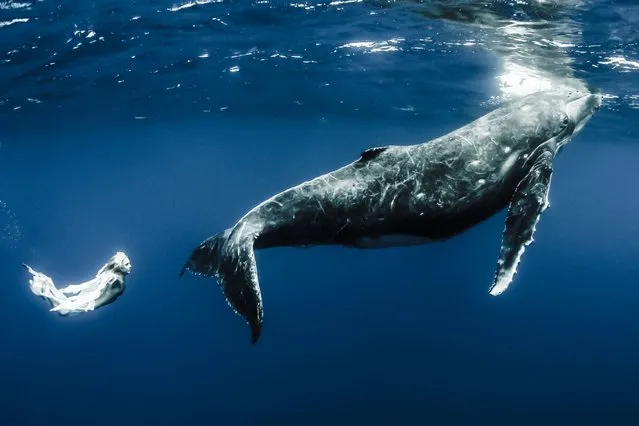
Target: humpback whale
[401,195]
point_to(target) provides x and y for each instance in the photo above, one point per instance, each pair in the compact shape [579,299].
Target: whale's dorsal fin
[371,153]
[526,206]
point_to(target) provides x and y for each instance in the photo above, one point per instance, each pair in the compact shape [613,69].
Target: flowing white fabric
[107,285]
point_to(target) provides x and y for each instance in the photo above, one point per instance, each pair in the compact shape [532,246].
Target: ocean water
[147,126]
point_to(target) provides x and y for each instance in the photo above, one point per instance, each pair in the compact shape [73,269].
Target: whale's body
[403,195]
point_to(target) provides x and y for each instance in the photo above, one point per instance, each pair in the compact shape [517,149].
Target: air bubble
[10,232]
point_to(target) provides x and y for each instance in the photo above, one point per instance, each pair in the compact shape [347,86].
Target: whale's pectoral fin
[528,203]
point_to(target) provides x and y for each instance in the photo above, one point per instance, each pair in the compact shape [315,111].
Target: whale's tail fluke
[231,260]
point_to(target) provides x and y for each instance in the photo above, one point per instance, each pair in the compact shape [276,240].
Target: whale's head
[558,116]
[580,107]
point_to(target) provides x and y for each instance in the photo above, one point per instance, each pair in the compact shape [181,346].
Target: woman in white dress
[107,286]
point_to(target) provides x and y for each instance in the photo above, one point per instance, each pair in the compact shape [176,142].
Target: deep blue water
[146,127]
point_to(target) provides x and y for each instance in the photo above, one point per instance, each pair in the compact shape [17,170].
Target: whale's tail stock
[230,259]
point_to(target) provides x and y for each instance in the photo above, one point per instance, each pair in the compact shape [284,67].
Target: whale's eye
[565,120]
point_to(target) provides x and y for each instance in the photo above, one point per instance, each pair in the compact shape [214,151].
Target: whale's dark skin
[400,195]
